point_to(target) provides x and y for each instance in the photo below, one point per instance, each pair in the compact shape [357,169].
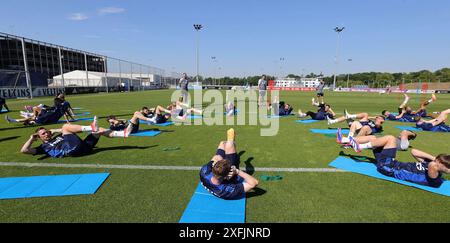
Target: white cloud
[78,17]
[110,10]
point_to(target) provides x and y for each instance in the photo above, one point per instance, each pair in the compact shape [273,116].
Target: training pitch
[151,181]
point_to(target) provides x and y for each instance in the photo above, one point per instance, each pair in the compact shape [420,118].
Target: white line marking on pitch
[153,167]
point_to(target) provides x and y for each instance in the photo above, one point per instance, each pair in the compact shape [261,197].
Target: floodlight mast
[198,27]
[338,30]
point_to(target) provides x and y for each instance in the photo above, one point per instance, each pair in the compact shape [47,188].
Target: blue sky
[248,37]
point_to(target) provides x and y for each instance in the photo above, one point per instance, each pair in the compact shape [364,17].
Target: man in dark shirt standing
[320,92]
[184,86]
[262,87]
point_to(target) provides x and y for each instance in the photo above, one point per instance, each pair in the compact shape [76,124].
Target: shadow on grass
[8,139]
[249,168]
[359,158]
[257,192]
[100,150]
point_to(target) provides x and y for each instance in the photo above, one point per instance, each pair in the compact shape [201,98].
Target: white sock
[352,116]
[345,140]
[406,101]
[366,146]
[86,128]
[118,134]
[153,119]
[333,121]
[430,101]
[351,134]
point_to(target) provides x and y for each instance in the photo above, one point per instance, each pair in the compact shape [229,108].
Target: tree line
[371,79]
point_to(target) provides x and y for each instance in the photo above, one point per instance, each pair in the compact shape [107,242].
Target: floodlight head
[198,27]
[337,29]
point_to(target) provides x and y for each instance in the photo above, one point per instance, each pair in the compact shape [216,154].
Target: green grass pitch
[161,196]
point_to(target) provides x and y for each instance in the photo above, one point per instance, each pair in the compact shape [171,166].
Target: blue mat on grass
[206,208]
[194,117]
[280,116]
[307,121]
[159,125]
[83,114]
[51,186]
[410,128]
[77,120]
[150,133]
[329,131]
[369,169]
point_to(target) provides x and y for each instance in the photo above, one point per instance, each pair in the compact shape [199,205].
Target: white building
[97,79]
[311,82]
[295,83]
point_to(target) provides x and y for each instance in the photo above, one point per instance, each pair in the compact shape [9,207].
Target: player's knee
[391,138]
[222,145]
[65,127]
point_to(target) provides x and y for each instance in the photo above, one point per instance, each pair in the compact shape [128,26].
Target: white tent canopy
[96,79]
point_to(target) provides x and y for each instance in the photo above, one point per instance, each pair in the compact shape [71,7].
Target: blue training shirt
[231,190]
[429,127]
[60,146]
[412,172]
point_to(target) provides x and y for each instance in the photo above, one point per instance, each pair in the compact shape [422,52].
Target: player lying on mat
[126,128]
[364,127]
[3,104]
[64,142]
[132,126]
[435,125]
[428,169]
[322,113]
[406,114]
[280,108]
[45,115]
[222,177]
[181,111]
[70,113]
[30,111]
[230,109]
[403,140]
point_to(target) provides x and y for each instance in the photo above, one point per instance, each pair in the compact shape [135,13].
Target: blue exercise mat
[329,131]
[307,121]
[410,128]
[194,117]
[146,133]
[206,208]
[159,125]
[279,116]
[51,186]
[77,120]
[83,114]
[369,169]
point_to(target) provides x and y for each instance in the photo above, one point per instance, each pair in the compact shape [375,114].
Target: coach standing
[320,92]
[184,86]
[262,86]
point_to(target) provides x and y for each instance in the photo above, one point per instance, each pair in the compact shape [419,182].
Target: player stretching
[435,125]
[406,114]
[427,171]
